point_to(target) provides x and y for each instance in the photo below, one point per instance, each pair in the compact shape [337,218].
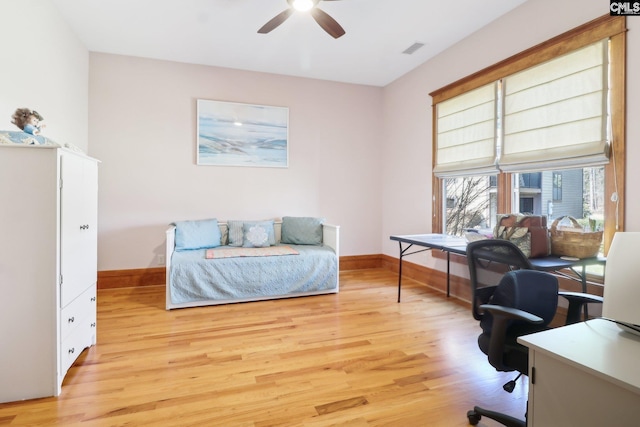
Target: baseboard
[131,278]
[436,279]
[360,262]
[459,286]
[110,279]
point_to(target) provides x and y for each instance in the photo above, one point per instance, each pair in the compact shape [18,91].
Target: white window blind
[466,134]
[555,114]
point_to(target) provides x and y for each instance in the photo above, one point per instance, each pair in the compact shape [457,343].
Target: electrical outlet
[160,259]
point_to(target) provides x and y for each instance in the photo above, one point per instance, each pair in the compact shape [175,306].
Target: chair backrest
[482,254]
[535,292]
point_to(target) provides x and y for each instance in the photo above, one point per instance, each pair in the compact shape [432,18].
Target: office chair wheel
[474,417]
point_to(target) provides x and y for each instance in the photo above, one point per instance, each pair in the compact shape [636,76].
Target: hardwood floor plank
[357,358]
[353,402]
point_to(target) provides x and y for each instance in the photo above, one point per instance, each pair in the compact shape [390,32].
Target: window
[558,139]
[474,207]
[526,205]
[531,180]
[557,186]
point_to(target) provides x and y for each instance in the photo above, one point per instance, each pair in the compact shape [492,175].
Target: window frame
[611,27]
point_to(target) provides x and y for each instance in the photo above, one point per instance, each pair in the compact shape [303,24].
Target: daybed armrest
[331,237]
[169,248]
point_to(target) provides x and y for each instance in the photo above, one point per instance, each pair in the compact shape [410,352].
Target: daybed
[210,262]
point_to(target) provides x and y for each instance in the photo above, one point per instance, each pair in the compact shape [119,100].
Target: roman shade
[555,113]
[466,134]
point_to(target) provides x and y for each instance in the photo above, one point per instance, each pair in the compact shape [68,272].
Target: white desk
[586,374]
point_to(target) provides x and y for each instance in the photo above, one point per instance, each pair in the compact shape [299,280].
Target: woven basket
[574,242]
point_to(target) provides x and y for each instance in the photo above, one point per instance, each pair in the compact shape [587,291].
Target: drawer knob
[93,299]
[93,325]
[72,350]
[72,319]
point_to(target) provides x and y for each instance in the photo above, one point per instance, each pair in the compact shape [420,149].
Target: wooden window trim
[604,27]
[612,27]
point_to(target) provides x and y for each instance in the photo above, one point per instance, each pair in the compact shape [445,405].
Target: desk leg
[448,273]
[400,271]
[583,281]
[584,290]
[403,252]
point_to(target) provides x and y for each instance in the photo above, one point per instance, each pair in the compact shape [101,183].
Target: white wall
[143,129]
[44,67]
[360,156]
[407,202]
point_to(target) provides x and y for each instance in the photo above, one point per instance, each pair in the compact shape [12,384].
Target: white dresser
[585,374]
[48,266]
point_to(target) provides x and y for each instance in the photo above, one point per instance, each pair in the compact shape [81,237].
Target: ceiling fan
[322,18]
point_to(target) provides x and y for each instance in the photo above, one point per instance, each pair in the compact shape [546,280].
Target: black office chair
[524,301]
[483,254]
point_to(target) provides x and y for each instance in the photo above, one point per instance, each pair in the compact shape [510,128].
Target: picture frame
[237,134]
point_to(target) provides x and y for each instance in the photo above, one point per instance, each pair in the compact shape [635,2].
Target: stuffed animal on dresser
[28,120]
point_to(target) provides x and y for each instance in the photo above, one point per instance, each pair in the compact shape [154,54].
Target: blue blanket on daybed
[195,278]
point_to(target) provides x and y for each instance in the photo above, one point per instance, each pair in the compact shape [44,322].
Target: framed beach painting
[235,134]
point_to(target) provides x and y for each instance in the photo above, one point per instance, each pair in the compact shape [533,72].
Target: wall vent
[413,48]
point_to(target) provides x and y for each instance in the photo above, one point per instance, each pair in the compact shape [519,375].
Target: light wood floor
[353,359]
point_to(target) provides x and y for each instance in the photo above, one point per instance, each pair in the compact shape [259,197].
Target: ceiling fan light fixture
[328,24]
[302,5]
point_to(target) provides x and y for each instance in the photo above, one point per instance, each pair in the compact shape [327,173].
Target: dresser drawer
[78,310]
[73,345]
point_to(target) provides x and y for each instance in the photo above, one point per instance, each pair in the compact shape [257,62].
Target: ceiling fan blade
[327,23]
[275,21]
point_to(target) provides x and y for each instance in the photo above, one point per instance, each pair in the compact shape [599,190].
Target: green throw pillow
[301,230]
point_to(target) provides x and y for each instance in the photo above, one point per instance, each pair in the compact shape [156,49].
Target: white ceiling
[224,33]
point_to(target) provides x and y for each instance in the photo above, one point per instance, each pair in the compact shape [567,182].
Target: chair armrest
[511,313]
[577,300]
[579,296]
[501,316]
